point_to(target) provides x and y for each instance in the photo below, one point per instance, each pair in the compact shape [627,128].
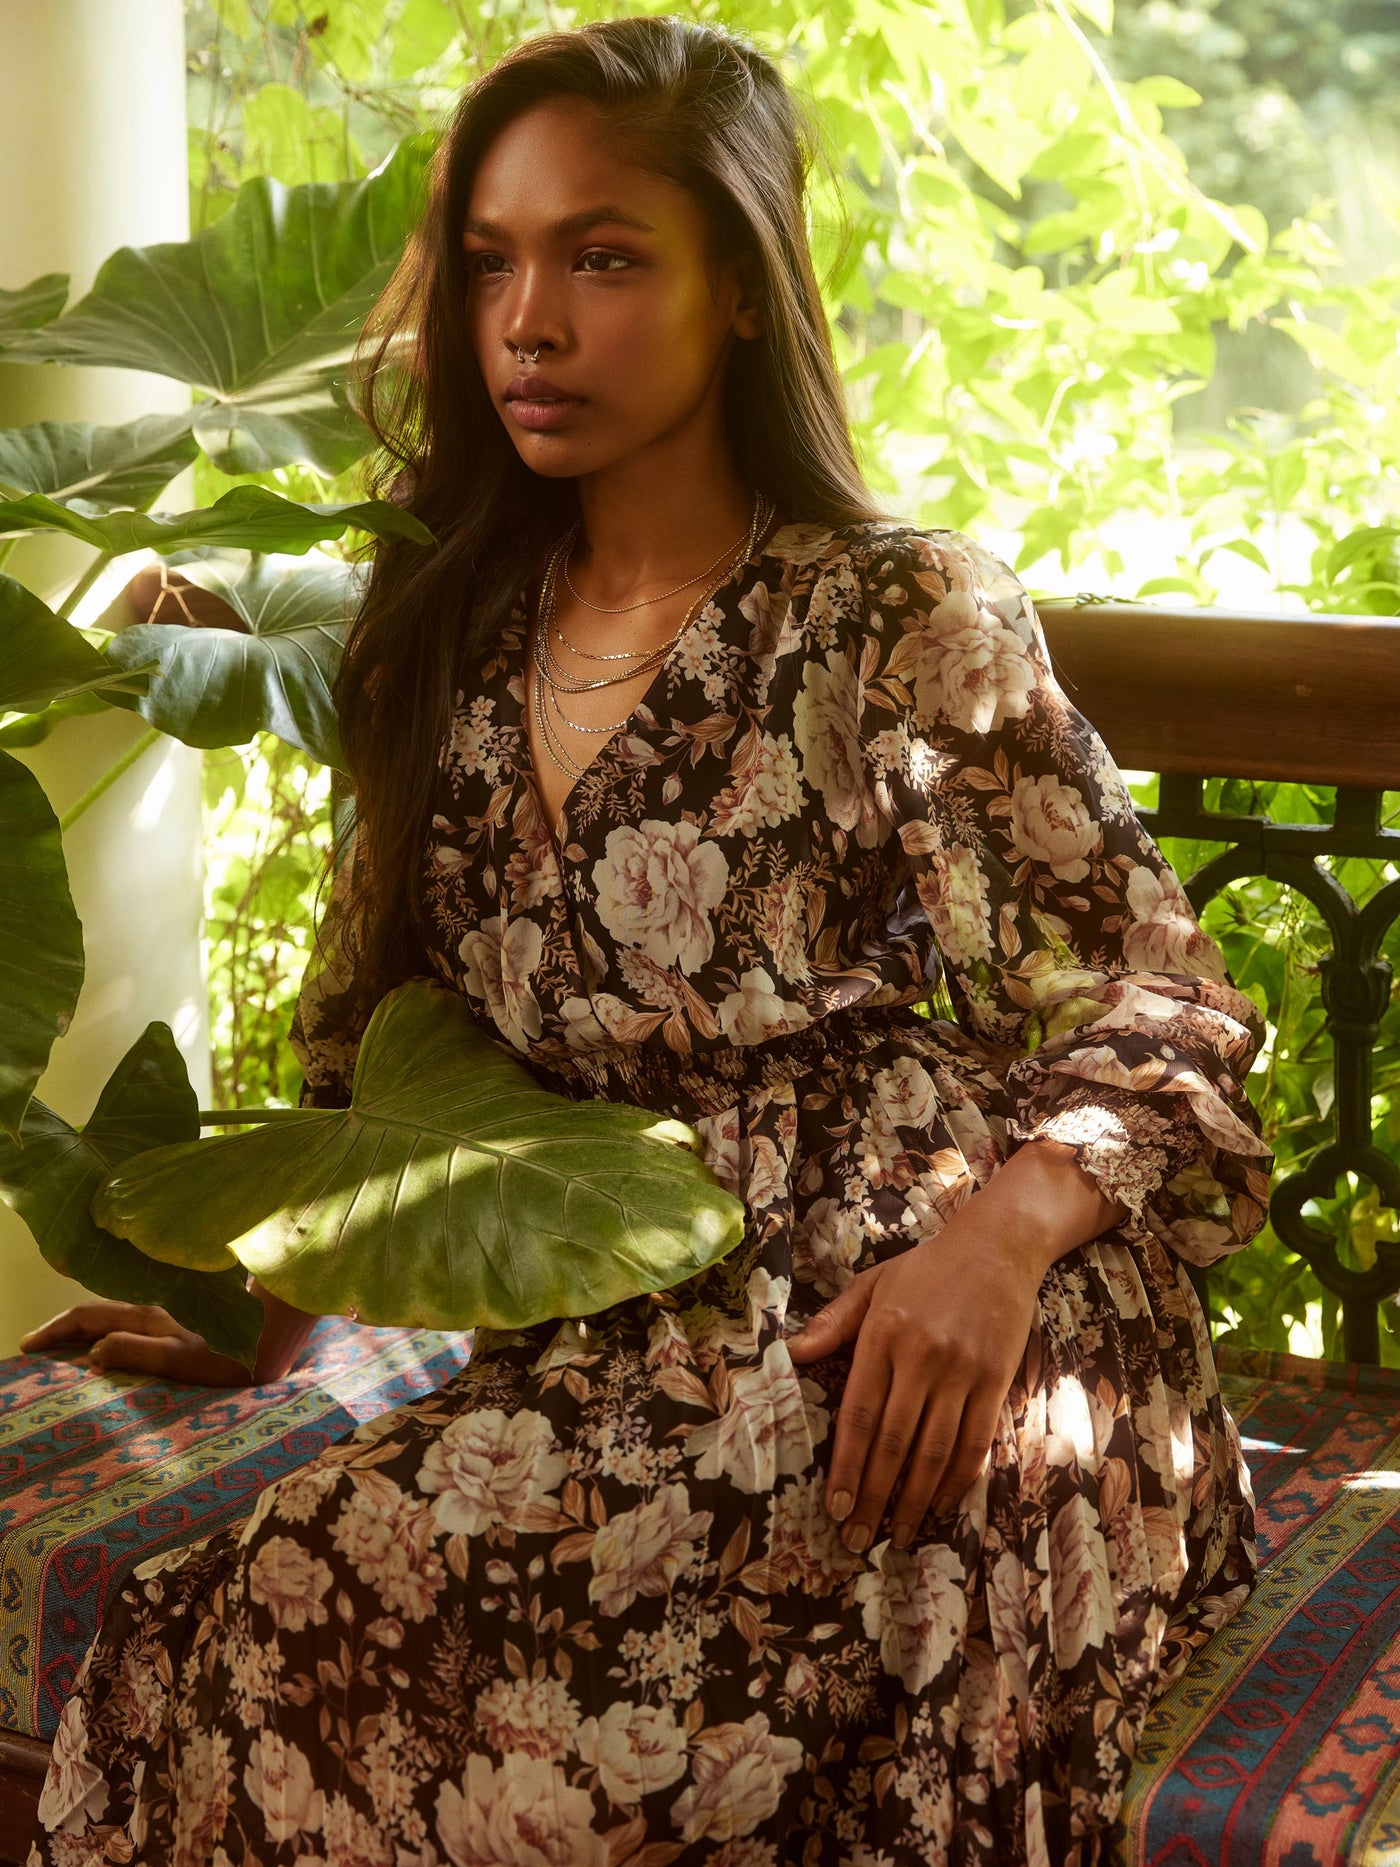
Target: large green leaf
[260,311]
[220,687]
[34,304]
[50,1181]
[455,1192]
[122,466]
[43,658]
[41,941]
[251,517]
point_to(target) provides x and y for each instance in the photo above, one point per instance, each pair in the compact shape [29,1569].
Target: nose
[531,320]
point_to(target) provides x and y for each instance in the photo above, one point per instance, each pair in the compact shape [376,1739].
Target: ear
[750,320]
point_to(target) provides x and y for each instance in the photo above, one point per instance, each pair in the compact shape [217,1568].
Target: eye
[598,253]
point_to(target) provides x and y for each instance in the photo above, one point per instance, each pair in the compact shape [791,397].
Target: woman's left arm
[1072,953]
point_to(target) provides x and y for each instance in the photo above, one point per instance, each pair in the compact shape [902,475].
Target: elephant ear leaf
[260,311]
[270,670]
[454,1193]
[43,658]
[41,940]
[125,465]
[253,518]
[34,304]
[50,1181]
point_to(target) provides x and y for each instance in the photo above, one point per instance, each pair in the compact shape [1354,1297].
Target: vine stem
[238,1118]
[85,583]
[109,778]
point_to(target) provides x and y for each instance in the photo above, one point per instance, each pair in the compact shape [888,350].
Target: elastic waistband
[704,1082]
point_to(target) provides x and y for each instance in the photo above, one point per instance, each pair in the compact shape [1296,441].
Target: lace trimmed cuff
[1130,1147]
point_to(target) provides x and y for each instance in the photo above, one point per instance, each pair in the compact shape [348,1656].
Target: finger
[979,1425]
[862,1407]
[934,1450]
[885,1456]
[137,1354]
[83,1323]
[835,1325]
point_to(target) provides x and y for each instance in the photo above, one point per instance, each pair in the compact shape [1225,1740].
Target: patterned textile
[586,1602]
[1280,1745]
[99,1471]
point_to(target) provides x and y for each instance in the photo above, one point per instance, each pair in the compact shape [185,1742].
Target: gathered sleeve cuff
[1067,941]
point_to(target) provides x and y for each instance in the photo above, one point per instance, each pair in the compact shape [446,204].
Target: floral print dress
[584,1606]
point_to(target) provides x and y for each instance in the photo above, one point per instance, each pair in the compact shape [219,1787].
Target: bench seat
[1280,1745]
[100,1471]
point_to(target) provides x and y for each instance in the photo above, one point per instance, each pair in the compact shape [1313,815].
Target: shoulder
[904,569]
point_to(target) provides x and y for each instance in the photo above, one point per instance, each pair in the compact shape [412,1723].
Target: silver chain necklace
[552,678]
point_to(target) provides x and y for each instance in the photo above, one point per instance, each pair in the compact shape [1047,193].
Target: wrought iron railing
[1198,694]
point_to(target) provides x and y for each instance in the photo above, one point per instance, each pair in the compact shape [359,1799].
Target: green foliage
[1064,221]
[255,312]
[51,1179]
[250,516]
[42,659]
[120,466]
[454,1193]
[267,826]
[1027,281]
[41,943]
[221,687]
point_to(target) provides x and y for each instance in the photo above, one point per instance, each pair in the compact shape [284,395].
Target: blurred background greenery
[1114,287]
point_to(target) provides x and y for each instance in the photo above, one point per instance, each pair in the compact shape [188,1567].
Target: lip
[542,415]
[530,386]
[525,395]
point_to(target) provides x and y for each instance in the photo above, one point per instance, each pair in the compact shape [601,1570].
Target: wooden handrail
[1210,693]
[1217,693]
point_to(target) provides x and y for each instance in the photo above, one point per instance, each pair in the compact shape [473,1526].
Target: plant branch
[109,778]
[85,583]
[239,1118]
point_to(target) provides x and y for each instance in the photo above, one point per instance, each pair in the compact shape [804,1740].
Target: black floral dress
[584,1606]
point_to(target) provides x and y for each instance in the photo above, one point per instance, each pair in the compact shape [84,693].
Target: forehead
[557,159]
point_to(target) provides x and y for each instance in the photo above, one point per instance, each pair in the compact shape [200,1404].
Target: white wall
[92,148]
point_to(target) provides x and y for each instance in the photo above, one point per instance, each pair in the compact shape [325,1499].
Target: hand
[139,1337]
[940,1333]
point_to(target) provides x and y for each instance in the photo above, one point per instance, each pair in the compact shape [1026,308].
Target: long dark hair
[686,101]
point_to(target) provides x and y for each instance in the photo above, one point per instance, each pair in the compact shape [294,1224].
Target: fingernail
[840,1504]
[857,1537]
[900,1535]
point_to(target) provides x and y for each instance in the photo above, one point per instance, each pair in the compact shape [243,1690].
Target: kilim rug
[1279,1748]
[1280,1745]
[99,1471]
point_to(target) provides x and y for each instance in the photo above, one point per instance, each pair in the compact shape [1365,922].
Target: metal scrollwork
[1356,985]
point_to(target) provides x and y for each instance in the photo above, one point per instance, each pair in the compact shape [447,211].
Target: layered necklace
[552,679]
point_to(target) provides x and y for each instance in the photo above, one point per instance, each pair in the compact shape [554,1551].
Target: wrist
[1039,1205]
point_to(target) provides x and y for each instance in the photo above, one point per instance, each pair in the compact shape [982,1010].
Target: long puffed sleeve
[332,1011]
[1065,934]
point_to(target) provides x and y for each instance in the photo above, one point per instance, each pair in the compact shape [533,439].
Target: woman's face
[600,266]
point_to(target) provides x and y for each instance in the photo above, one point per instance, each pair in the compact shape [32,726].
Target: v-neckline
[524,761]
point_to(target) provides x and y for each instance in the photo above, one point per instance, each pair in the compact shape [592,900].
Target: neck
[644,532]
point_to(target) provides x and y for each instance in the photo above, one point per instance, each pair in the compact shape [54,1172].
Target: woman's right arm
[146,1340]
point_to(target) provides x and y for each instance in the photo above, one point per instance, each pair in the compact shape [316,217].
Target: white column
[92,146]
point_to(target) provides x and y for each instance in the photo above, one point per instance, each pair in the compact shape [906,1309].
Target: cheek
[659,340]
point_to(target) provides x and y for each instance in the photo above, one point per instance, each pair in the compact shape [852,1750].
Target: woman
[874,1544]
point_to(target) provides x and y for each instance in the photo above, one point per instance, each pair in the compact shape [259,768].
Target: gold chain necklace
[607,609]
[546,678]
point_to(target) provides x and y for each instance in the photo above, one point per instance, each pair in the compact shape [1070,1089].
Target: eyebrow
[581,222]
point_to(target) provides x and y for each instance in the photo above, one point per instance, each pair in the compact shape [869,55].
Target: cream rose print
[584,1605]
